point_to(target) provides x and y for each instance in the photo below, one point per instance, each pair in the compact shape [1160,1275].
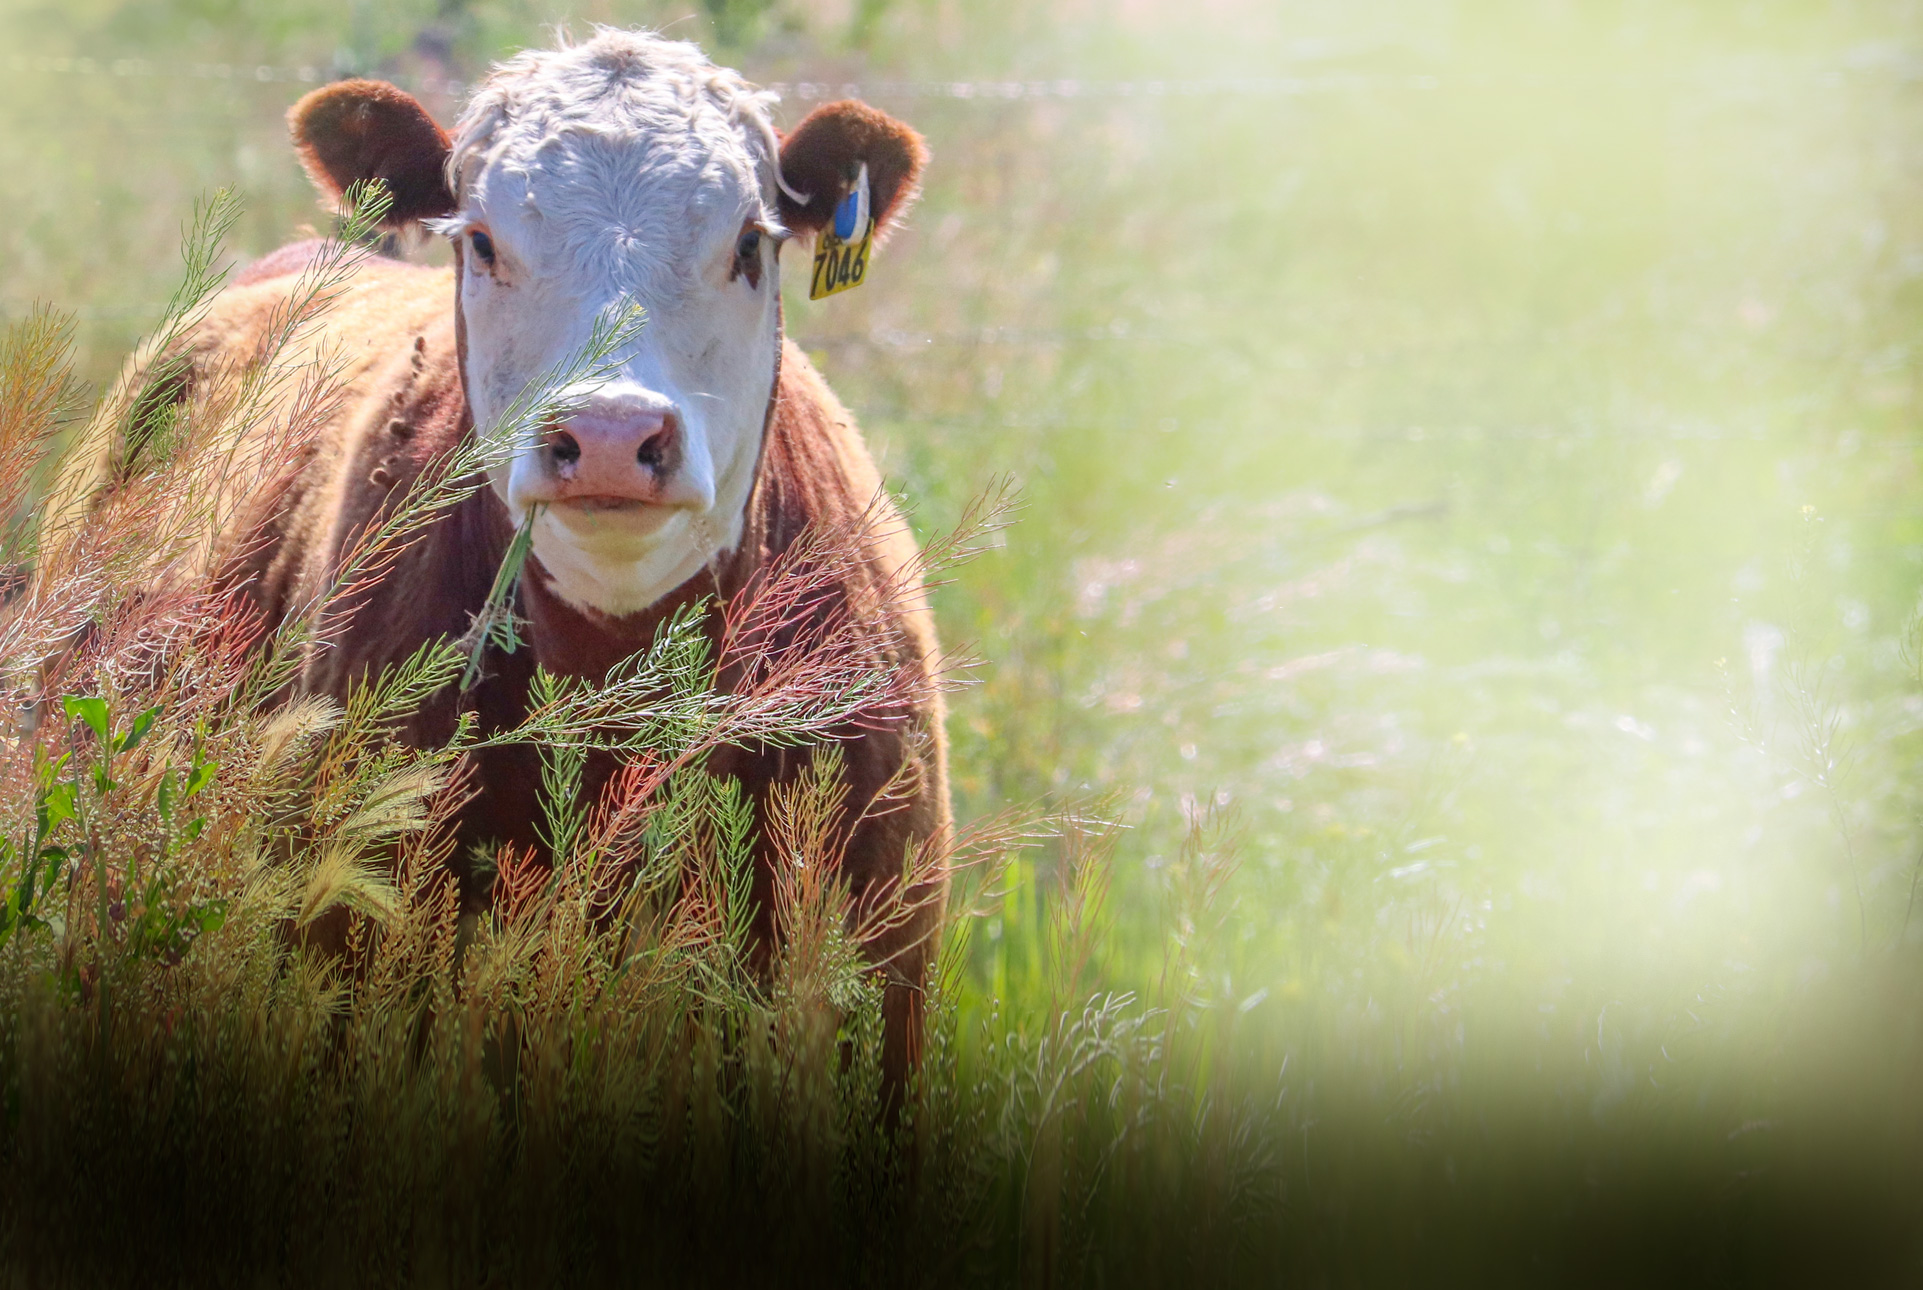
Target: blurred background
[1469,466]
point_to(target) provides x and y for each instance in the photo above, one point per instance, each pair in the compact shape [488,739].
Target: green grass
[1469,544]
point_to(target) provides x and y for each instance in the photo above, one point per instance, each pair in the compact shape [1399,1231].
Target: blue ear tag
[841,249]
[852,215]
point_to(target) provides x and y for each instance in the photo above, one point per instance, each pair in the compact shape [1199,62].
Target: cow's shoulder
[817,471]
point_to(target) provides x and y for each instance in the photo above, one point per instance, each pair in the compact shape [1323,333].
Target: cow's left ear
[821,158]
[355,131]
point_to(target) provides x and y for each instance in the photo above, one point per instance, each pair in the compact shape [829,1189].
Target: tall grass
[589,1078]
[591,1081]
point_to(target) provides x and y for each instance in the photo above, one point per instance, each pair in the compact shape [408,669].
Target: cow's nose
[615,457]
[648,439]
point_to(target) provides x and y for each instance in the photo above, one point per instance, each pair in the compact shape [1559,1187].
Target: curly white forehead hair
[620,84]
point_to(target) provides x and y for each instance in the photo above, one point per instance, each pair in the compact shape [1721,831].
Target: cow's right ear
[355,131]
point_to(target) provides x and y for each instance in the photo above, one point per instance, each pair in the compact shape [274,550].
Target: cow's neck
[581,642]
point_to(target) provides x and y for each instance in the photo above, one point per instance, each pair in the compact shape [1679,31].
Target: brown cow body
[394,338]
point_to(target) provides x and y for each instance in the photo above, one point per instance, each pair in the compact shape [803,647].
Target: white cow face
[624,171]
[581,182]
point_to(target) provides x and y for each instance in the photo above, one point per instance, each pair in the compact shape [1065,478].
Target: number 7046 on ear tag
[841,249]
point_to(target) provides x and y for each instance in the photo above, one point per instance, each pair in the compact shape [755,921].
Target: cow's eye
[747,256]
[483,246]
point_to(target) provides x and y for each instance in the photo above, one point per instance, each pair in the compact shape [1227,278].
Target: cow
[624,170]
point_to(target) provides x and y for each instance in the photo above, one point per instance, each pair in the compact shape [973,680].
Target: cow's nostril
[565,448]
[653,452]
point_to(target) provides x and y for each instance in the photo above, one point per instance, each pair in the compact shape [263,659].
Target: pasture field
[1459,639]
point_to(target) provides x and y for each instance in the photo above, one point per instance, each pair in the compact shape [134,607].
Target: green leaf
[45,772]
[90,709]
[199,777]
[136,731]
[54,859]
[164,795]
[56,804]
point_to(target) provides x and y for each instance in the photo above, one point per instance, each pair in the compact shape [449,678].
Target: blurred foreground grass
[1474,488]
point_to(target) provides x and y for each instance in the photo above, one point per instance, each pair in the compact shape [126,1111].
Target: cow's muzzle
[614,456]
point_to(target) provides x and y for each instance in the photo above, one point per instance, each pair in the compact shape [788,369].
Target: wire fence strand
[986,91]
[1904,67]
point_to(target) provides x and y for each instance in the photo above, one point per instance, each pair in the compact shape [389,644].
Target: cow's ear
[821,158]
[354,131]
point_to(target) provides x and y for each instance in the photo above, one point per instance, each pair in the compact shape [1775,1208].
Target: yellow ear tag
[841,249]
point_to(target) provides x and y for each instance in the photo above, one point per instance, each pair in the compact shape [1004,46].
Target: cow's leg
[901,1044]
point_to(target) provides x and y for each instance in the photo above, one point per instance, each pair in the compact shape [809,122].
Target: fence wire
[806,91]
[1904,66]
